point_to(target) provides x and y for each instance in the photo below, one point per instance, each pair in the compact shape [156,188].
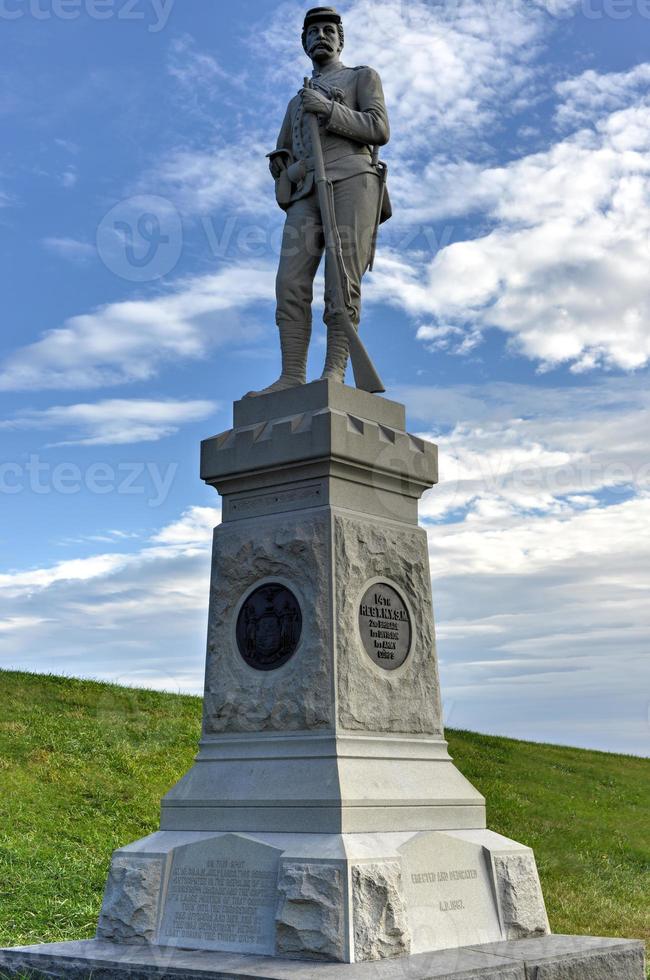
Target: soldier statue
[331,184]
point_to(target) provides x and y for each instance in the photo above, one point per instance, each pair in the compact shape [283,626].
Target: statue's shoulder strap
[366,68]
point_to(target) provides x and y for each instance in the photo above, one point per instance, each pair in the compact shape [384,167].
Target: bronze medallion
[385,626]
[269,627]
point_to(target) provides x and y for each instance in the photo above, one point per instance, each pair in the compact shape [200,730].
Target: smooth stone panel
[221,894]
[606,959]
[322,819]
[449,893]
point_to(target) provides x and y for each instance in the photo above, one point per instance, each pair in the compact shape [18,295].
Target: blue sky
[509,310]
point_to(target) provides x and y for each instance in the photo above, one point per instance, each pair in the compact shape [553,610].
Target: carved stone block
[298,696]
[310,922]
[523,913]
[131,901]
[379,912]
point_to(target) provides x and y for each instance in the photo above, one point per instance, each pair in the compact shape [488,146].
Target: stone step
[548,958]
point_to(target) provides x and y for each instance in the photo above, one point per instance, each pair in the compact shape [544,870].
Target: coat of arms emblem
[269,627]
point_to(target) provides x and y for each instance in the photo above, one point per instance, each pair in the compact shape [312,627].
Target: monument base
[548,958]
[347,898]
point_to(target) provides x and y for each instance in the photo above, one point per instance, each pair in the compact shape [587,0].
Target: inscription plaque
[385,626]
[258,504]
[269,627]
[449,892]
[222,895]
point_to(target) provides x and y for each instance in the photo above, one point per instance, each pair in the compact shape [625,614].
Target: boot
[338,353]
[294,343]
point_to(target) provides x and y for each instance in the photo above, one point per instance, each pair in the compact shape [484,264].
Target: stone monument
[324,818]
[324,830]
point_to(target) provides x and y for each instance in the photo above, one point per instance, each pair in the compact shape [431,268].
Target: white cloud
[16,584]
[494,540]
[70,248]
[194,527]
[233,174]
[561,653]
[564,272]
[559,8]
[591,95]
[198,73]
[532,450]
[114,421]
[468,62]
[130,341]
[19,623]
[136,618]
[69,178]
[68,145]
[223,169]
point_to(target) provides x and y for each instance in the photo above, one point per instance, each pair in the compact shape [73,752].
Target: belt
[362,151]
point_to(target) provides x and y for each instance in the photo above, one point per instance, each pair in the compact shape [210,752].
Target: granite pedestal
[324,819]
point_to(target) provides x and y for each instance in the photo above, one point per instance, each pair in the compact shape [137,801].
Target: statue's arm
[285,141]
[282,157]
[369,123]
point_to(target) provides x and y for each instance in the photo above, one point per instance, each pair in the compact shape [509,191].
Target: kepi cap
[317,14]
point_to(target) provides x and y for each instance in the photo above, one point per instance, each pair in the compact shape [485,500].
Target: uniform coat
[358,123]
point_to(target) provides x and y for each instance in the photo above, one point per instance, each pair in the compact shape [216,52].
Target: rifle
[365,374]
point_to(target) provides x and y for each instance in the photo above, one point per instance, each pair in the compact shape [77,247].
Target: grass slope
[83,766]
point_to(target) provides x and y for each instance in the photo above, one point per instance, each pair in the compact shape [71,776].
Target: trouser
[356,202]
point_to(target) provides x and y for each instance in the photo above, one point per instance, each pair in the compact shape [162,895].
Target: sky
[508,310]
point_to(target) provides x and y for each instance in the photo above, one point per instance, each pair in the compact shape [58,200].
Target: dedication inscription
[385,626]
[269,627]
[222,895]
[449,892]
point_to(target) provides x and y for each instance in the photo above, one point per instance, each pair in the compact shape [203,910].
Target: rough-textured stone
[299,695]
[380,921]
[408,700]
[131,900]
[523,913]
[311,911]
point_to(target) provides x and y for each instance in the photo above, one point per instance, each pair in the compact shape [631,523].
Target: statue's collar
[328,69]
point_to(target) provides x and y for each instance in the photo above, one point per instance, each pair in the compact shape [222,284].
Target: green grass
[83,766]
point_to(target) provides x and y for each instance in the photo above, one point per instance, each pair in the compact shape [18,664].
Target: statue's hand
[276,167]
[314,101]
